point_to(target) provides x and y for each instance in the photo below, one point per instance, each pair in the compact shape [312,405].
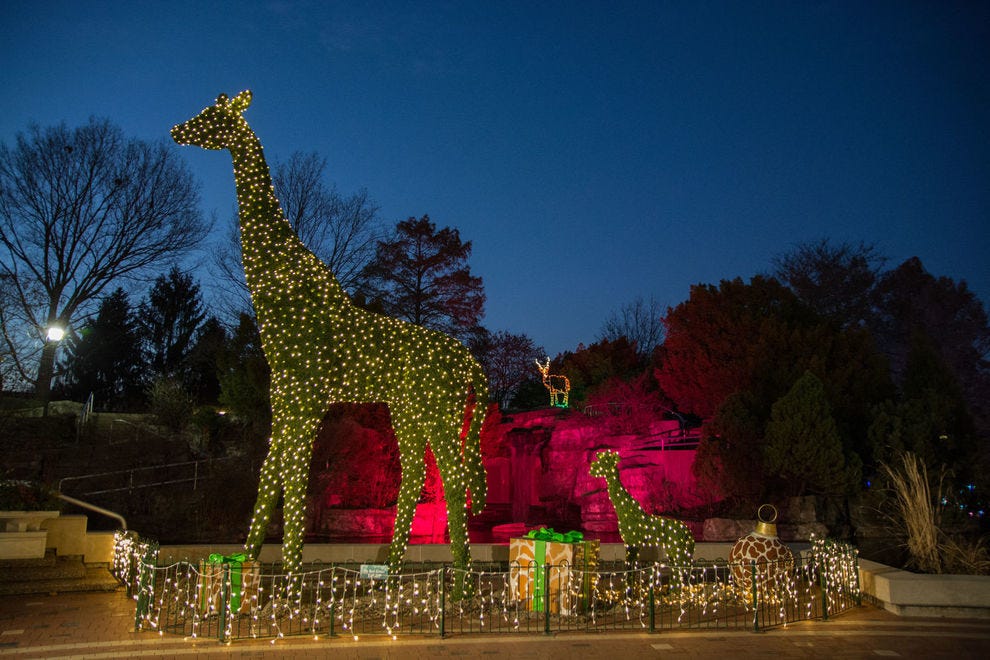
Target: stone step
[92,579]
[15,564]
[60,568]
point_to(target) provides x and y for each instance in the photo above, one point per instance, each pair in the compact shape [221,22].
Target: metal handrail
[95,509]
[131,472]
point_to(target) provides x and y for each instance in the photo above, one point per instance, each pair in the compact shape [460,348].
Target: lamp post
[53,335]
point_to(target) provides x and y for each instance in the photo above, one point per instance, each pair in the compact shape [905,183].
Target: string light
[324,350]
[559,385]
[338,599]
[638,528]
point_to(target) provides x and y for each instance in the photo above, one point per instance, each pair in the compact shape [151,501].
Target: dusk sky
[593,152]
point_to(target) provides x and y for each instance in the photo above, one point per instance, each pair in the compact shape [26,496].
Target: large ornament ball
[774,560]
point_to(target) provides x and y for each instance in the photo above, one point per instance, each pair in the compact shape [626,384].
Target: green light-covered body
[636,527]
[324,350]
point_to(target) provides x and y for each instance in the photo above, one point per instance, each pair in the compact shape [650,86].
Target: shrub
[17,495]
[171,405]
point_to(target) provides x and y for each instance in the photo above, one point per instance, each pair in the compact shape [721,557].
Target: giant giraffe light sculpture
[324,350]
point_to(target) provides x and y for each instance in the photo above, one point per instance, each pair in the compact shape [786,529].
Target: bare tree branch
[81,209]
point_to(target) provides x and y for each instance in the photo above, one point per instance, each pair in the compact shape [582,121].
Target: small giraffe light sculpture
[638,528]
[559,386]
[323,350]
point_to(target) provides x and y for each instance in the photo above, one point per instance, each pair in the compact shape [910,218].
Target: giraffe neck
[621,499]
[268,242]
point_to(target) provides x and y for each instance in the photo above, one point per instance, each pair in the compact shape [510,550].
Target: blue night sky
[592,152]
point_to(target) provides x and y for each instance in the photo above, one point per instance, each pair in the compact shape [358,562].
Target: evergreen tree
[911,300]
[169,319]
[202,362]
[929,418]
[729,459]
[105,358]
[802,448]
[245,377]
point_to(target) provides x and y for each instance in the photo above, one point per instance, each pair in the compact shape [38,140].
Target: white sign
[374,571]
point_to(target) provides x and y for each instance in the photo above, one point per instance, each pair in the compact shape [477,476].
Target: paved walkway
[100,625]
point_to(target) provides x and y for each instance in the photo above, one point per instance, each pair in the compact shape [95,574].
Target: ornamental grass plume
[965,556]
[917,511]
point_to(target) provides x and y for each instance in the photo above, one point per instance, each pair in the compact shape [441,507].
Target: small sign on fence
[374,571]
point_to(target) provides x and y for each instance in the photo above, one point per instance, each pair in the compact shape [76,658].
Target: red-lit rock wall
[537,464]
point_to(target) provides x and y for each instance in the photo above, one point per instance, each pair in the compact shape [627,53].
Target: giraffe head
[216,125]
[605,463]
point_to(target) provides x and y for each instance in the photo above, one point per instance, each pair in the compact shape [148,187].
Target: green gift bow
[235,560]
[547,534]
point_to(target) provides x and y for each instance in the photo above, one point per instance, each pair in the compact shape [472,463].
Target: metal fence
[227,600]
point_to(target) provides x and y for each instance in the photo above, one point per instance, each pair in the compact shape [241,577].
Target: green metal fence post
[145,571]
[824,584]
[333,573]
[443,600]
[756,612]
[546,599]
[224,600]
[859,592]
[653,627]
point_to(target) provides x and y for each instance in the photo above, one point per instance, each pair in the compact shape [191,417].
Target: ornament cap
[767,515]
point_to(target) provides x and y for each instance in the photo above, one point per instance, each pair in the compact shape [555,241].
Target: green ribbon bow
[547,534]
[236,558]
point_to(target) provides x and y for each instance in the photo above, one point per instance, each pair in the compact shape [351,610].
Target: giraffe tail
[476,478]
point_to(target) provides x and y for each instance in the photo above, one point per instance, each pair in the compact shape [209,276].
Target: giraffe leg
[411,451]
[269,486]
[452,471]
[297,460]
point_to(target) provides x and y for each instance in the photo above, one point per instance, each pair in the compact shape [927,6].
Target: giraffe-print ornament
[774,560]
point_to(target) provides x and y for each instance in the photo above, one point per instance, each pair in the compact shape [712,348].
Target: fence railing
[101,483]
[230,600]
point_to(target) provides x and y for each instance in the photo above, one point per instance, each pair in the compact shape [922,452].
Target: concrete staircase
[53,574]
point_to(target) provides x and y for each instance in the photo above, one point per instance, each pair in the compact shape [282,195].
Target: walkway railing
[227,600]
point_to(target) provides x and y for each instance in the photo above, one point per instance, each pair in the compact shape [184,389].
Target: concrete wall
[68,536]
[915,594]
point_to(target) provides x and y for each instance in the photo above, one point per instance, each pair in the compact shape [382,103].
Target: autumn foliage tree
[421,275]
[732,351]
[723,339]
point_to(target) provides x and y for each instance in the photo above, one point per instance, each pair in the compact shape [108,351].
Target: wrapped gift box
[572,562]
[245,577]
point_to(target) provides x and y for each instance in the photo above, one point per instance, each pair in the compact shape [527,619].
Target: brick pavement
[100,625]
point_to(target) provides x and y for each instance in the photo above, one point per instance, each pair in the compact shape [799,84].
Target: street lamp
[53,335]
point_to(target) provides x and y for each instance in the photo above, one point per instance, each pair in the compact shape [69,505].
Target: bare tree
[640,322]
[81,209]
[507,360]
[341,231]
[836,281]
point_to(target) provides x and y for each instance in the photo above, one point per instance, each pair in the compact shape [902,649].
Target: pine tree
[106,360]
[802,448]
[169,319]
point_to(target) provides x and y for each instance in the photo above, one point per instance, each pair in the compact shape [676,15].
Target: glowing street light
[53,335]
